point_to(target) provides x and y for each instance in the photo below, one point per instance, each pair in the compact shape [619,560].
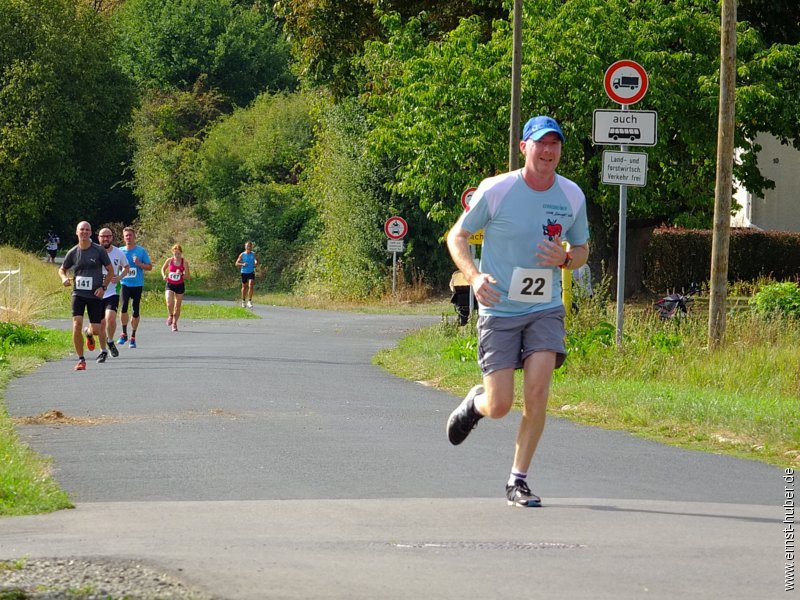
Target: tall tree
[238,46]
[440,110]
[328,36]
[62,106]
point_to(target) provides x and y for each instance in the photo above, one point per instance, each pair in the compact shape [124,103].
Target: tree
[168,128]
[439,110]
[328,36]
[171,43]
[247,172]
[777,20]
[63,104]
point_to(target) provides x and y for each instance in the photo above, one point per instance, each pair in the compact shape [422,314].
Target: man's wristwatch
[104,287]
[567,261]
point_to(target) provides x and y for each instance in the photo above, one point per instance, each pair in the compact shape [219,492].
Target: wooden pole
[724,183]
[516,67]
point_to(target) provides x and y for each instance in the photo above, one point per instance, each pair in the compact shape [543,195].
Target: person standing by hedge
[524,214]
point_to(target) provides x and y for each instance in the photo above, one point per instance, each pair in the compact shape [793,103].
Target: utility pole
[724,182]
[516,67]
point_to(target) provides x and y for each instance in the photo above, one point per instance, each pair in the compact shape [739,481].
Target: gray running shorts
[505,342]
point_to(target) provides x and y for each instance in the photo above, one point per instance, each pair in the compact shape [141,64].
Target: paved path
[270,459]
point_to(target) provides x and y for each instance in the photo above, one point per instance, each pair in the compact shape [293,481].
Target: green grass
[26,486]
[664,384]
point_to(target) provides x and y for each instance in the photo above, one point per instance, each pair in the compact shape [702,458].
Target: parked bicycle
[675,304]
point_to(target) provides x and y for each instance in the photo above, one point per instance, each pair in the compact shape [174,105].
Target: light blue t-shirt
[249,260]
[515,219]
[135,276]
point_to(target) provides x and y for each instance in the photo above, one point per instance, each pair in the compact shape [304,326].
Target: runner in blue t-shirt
[524,215]
[247,261]
[132,284]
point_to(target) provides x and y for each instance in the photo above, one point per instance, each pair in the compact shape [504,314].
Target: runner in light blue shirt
[247,261]
[524,216]
[132,284]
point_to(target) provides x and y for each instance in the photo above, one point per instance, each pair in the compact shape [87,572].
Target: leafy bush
[349,260]
[247,183]
[13,335]
[170,43]
[778,299]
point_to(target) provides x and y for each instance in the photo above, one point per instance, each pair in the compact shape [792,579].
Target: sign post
[476,239]
[625,83]
[396,229]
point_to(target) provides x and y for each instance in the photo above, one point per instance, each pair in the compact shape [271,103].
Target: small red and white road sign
[626,82]
[466,196]
[396,228]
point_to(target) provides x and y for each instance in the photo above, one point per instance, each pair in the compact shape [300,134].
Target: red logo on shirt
[552,229]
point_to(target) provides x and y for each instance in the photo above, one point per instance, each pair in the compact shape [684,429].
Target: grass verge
[664,384]
[26,485]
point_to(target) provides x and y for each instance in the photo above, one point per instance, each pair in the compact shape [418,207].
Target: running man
[247,261]
[132,284]
[51,245]
[175,271]
[86,260]
[524,215]
[108,326]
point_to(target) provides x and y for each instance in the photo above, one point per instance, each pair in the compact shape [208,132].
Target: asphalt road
[270,459]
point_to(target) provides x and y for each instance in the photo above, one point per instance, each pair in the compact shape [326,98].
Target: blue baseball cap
[537,127]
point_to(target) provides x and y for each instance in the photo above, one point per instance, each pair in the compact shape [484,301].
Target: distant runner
[132,284]
[247,261]
[51,245]
[108,327]
[175,271]
[86,260]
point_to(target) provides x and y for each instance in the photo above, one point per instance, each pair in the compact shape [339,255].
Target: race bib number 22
[534,286]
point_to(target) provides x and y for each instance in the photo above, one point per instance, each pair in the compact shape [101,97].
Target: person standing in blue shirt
[247,261]
[524,215]
[132,284]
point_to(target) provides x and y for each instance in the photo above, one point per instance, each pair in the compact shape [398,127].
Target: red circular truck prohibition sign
[626,82]
[396,228]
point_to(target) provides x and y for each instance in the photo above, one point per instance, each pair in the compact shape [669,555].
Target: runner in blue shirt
[524,215]
[132,284]
[247,261]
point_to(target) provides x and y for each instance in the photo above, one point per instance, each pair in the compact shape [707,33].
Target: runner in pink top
[175,271]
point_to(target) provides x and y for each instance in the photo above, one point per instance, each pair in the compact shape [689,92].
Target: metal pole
[472,251]
[516,68]
[623,219]
[394,273]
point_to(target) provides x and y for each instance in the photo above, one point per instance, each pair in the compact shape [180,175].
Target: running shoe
[132,343]
[249,304]
[520,494]
[122,339]
[243,305]
[89,340]
[81,366]
[169,320]
[174,327]
[464,418]
[113,349]
[101,358]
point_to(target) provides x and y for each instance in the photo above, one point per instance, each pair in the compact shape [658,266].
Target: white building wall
[779,210]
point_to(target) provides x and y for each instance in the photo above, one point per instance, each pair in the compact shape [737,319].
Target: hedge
[675,258]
